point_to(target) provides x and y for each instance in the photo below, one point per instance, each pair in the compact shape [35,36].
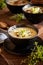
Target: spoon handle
[8,61]
[3,30]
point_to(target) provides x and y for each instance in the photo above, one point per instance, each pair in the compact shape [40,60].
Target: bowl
[18,41]
[33,17]
[15,8]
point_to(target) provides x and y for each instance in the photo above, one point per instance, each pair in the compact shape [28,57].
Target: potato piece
[3,25]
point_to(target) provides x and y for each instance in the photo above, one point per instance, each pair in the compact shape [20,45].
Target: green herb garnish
[2,4]
[17,17]
[36,55]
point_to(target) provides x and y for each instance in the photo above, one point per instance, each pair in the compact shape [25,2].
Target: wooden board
[15,59]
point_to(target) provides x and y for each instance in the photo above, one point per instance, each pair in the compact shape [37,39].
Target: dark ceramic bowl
[15,8]
[21,41]
[33,18]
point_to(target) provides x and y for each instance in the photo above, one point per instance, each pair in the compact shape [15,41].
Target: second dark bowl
[33,18]
[14,8]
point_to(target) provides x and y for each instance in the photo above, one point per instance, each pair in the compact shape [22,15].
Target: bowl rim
[30,5]
[15,26]
[17,5]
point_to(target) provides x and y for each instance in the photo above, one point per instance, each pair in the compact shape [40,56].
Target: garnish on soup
[23,32]
[34,9]
[18,2]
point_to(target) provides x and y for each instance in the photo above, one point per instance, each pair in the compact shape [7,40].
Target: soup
[18,2]
[23,32]
[34,9]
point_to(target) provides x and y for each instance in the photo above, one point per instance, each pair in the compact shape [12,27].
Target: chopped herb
[2,4]
[17,17]
[35,57]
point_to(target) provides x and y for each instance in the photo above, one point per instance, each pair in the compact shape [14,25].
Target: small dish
[18,50]
[3,37]
[11,48]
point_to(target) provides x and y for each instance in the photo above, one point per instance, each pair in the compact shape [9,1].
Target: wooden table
[15,59]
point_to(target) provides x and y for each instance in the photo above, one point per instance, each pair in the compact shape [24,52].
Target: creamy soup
[18,2]
[34,9]
[23,32]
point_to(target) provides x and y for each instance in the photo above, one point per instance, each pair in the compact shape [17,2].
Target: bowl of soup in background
[15,6]
[33,13]
[22,34]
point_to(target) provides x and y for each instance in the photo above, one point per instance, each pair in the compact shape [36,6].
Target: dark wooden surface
[15,59]
[2,60]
